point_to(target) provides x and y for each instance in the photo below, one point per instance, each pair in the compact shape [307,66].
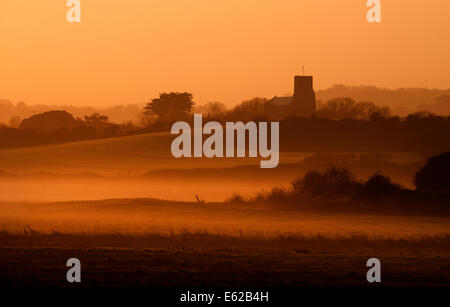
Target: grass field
[147,242]
[222,267]
[125,156]
[142,166]
[126,209]
[140,216]
[129,155]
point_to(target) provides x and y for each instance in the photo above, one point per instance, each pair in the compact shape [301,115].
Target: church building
[302,104]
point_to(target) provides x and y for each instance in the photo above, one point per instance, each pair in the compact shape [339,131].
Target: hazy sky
[128,51]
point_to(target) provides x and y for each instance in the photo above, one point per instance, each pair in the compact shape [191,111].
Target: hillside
[129,155]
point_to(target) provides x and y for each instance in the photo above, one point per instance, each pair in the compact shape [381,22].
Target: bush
[277,195]
[332,182]
[50,121]
[435,175]
[236,199]
[379,185]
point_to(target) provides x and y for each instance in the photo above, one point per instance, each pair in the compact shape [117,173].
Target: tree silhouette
[435,175]
[51,120]
[379,185]
[211,109]
[96,118]
[170,106]
[344,107]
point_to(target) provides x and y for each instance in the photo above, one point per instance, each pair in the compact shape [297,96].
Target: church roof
[281,101]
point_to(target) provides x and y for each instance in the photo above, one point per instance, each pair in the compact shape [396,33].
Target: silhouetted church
[302,104]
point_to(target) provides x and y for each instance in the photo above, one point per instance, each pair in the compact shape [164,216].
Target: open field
[140,216]
[127,156]
[148,242]
[106,203]
[120,156]
[204,260]
[142,166]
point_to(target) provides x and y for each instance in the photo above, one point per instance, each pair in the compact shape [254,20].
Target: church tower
[304,100]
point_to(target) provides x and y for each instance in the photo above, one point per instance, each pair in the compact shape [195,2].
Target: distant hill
[402,101]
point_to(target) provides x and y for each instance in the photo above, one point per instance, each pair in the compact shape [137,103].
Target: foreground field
[205,260]
[153,243]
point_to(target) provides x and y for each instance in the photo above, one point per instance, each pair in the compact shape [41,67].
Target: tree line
[340,124]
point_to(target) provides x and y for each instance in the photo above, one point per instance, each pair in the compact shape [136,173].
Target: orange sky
[222,50]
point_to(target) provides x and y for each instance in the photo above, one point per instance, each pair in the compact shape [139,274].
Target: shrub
[379,185]
[332,182]
[435,175]
[236,199]
[278,195]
